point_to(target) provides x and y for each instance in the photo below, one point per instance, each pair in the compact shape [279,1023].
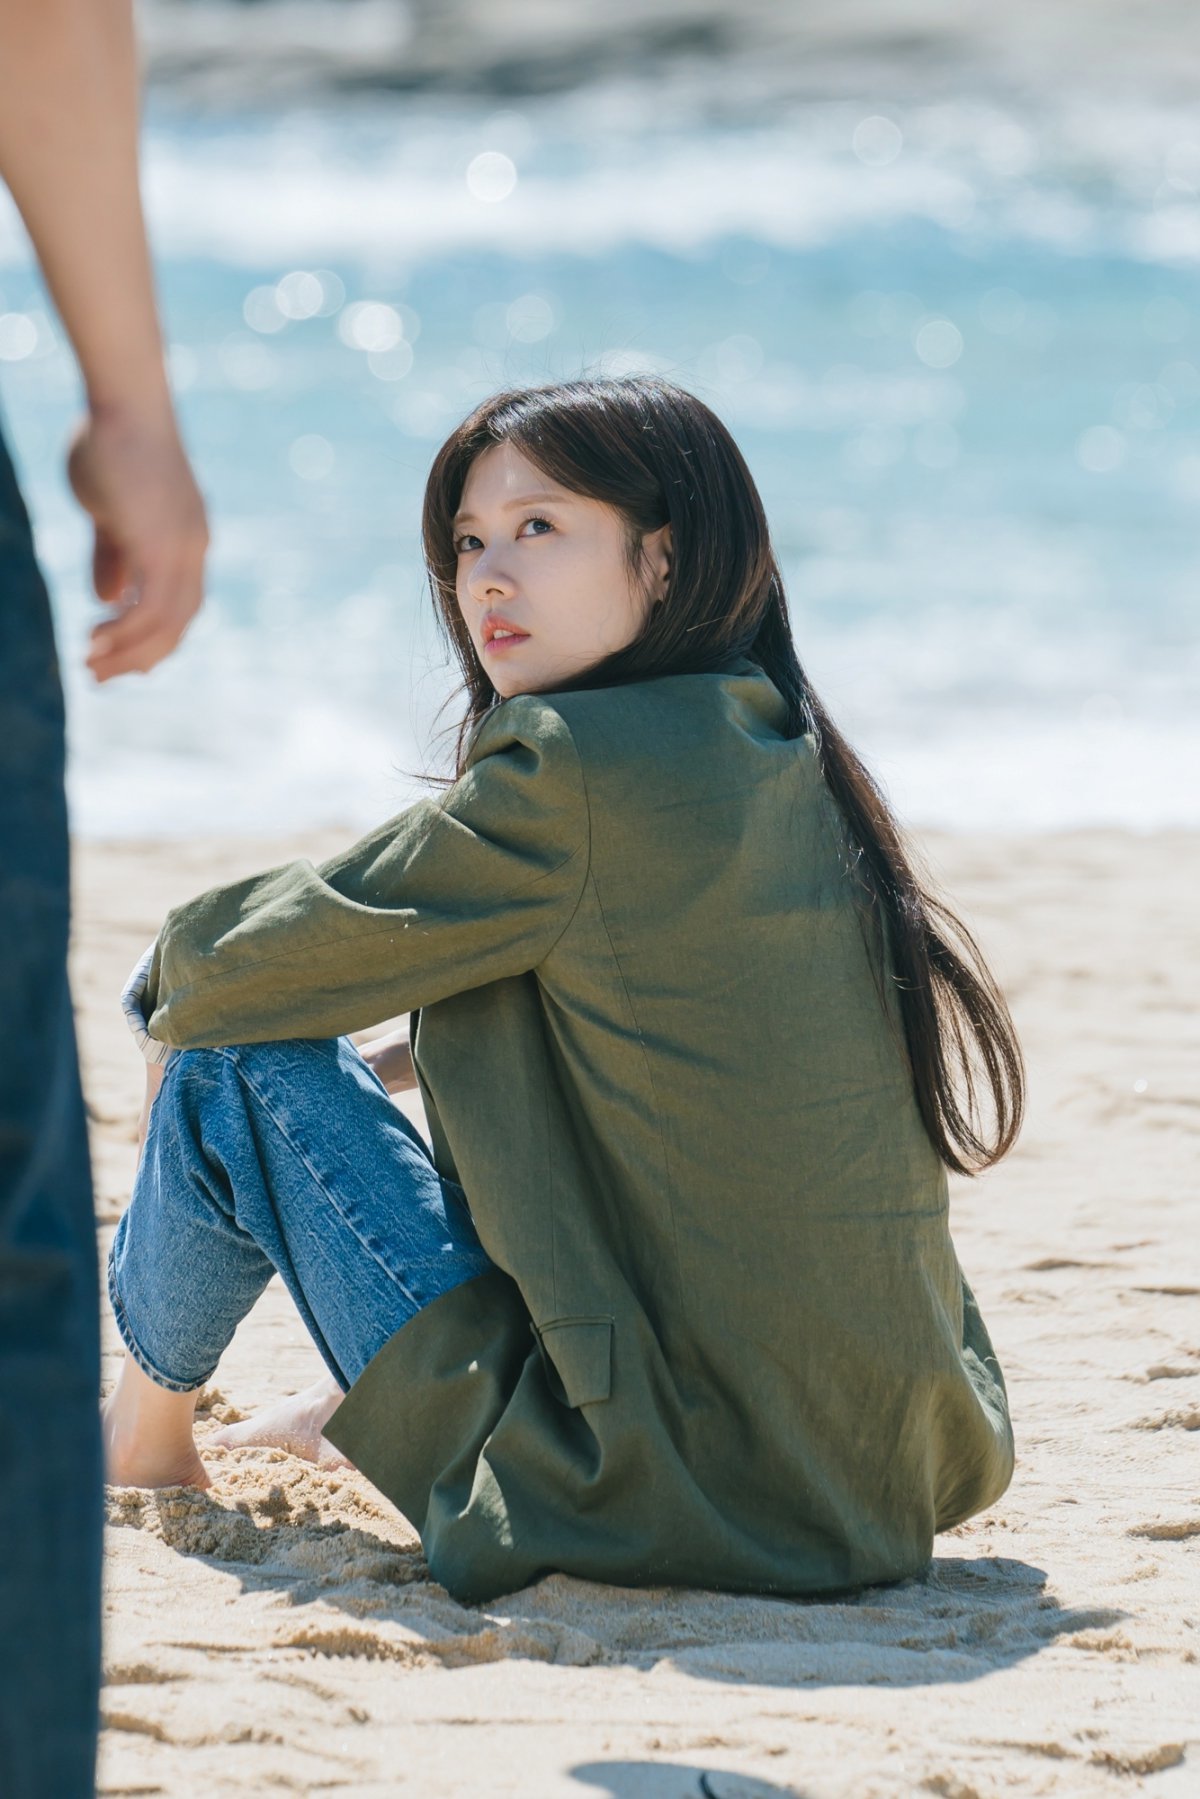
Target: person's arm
[390,1058]
[69,155]
[449,895]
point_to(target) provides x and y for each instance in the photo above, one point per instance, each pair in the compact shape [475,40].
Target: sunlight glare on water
[960,349]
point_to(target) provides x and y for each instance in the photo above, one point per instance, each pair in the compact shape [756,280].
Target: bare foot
[147,1433]
[294,1424]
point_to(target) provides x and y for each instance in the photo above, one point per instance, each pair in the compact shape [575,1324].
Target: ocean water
[960,347]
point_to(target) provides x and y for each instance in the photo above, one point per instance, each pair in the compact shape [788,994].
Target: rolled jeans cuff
[134,1347]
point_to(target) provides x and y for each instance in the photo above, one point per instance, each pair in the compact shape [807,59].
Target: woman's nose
[488,577]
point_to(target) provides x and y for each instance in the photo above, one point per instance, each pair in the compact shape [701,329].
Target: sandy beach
[280,1634]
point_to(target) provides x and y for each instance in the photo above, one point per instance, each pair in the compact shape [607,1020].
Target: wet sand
[280,1633]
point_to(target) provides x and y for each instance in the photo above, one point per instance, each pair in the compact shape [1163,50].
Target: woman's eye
[533,519]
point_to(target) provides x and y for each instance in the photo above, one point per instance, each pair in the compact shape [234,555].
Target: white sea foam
[310,764]
[997,727]
[787,187]
[402,181]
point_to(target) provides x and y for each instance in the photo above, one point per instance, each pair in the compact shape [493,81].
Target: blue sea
[959,346]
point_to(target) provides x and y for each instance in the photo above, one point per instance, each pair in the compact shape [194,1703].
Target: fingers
[129,470]
[126,647]
[147,631]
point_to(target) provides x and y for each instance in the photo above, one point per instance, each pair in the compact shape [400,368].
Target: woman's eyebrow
[525,499]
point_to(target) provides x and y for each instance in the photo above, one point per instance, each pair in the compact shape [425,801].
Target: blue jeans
[50,1459]
[285,1156]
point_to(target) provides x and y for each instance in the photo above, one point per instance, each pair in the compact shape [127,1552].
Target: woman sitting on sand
[672,1297]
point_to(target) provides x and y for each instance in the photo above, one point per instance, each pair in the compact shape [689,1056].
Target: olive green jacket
[727,1341]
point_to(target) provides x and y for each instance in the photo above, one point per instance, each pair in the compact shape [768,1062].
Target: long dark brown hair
[659,455]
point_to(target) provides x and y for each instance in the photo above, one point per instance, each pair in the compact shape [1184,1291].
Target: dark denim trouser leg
[50,1457]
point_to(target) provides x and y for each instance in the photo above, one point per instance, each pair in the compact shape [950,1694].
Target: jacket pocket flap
[579,1352]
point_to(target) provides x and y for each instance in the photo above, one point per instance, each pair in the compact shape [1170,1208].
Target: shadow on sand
[355,1593]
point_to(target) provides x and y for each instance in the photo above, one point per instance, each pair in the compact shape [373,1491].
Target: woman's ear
[658,548]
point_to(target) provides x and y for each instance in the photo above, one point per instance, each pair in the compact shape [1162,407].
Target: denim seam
[135,1349]
[231,1057]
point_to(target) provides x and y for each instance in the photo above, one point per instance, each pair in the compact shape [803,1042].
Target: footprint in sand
[1185,1418]
[1165,1371]
[1166,1530]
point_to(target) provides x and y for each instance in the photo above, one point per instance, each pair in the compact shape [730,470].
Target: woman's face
[552,566]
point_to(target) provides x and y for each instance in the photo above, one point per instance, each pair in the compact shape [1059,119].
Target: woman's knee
[192,1083]
[279,1059]
[284,1078]
[303,1067]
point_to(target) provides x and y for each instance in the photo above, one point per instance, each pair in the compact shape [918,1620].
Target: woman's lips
[506,643]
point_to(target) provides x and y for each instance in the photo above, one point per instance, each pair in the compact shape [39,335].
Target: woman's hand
[390,1059]
[154,1075]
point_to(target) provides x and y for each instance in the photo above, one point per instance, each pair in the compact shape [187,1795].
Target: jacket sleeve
[452,893]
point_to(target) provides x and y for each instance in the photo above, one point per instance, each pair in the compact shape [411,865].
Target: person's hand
[154,1075]
[131,473]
